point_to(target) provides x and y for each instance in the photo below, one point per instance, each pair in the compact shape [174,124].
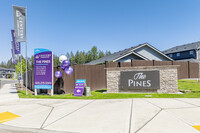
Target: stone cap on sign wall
[143,67]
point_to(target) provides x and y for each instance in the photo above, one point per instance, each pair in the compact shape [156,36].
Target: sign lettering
[139,80]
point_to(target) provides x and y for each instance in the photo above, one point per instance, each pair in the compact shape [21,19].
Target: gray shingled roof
[118,54]
[6,69]
[184,47]
[2,68]
[113,56]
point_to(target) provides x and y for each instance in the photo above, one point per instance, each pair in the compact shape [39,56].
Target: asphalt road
[6,81]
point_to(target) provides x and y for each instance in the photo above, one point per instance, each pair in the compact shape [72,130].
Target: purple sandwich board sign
[79,87]
[43,69]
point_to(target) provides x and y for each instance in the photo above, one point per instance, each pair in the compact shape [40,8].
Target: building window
[191,52]
[170,55]
[178,54]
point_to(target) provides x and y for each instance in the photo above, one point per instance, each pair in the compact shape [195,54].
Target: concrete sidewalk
[101,116]
[4,81]
[8,93]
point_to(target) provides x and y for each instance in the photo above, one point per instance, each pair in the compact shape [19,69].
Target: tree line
[80,57]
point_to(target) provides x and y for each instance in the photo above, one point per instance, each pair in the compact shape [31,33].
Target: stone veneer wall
[168,77]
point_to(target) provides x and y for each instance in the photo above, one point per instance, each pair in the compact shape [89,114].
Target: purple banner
[16,45]
[13,58]
[43,68]
[79,87]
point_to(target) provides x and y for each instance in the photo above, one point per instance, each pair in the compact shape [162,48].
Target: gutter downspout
[197,55]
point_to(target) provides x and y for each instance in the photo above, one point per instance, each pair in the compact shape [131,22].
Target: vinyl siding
[151,54]
[128,58]
[184,55]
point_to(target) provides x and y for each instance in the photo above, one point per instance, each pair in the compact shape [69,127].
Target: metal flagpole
[21,72]
[26,55]
[26,70]
[18,70]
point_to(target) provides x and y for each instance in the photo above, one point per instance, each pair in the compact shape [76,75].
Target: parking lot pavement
[101,116]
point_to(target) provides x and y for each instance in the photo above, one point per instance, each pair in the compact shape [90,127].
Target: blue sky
[70,25]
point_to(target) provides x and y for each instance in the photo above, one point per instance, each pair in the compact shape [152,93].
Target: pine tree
[101,54]
[72,59]
[56,61]
[94,52]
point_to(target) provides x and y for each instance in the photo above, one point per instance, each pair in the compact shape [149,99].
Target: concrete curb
[13,129]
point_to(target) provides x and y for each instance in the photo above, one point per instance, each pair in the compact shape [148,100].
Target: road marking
[7,116]
[197,127]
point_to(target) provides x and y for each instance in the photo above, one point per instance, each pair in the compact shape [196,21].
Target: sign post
[43,70]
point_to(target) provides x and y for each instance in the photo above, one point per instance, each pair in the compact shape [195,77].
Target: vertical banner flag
[16,45]
[79,87]
[13,58]
[43,69]
[20,23]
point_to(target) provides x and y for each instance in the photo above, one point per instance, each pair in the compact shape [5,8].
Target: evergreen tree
[107,53]
[68,55]
[83,57]
[89,57]
[77,57]
[94,53]
[72,59]
[3,64]
[32,62]
[9,64]
[101,54]
[56,61]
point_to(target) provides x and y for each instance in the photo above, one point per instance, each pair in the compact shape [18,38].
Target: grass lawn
[191,85]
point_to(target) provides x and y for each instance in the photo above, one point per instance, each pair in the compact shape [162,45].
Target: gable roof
[120,54]
[184,47]
[6,69]
[131,52]
[2,68]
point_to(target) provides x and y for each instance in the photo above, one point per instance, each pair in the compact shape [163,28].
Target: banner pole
[26,70]
[18,72]
[26,55]
[21,73]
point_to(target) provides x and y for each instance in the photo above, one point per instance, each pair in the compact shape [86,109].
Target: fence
[185,69]
[95,75]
